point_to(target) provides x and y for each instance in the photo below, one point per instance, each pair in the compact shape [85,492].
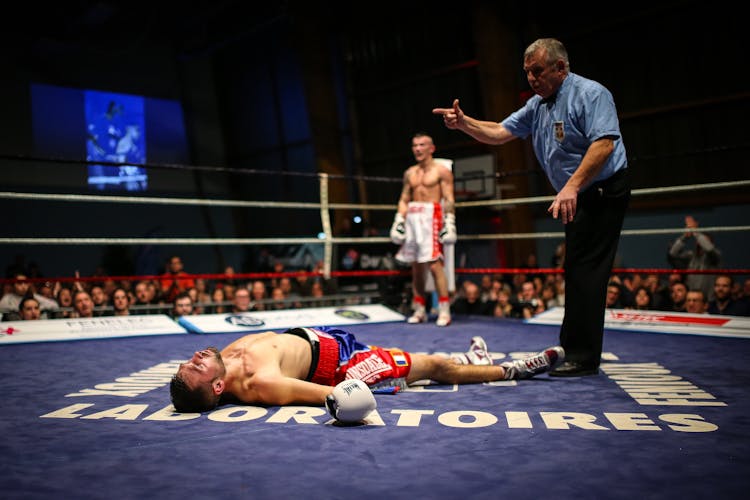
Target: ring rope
[310,205]
[195,168]
[330,239]
[634,192]
[10,195]
[324,207]
[363,273]
[615,270]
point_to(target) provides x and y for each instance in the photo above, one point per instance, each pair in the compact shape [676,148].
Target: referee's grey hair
[554,47]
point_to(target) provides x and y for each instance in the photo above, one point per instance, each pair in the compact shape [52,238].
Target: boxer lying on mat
[329,366]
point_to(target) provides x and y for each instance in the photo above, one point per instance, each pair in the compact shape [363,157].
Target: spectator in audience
[182,305]
[64,297]
[144,297]
[702,255]
[629,284]
[517,282]
[470,302]
[258,295]
[21,288]
[549,295]
[486,292]
[201,290]
[290,292]
[304,285]
[241,301]
[218,299]
[45,290]
[100,300]
[659,293]
[695,302]
[722,302]
[193,293]
[120,302]
[317,290]
[496,284]
[277,295]
[175,280]
[109,287]
[642,299]
[29,309]
[678,296]
[666,292]
[529,303]
[503,305]
[614,296]
[229,289]
[560,283]
[83,306]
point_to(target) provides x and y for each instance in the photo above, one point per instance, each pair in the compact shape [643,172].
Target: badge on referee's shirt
[559,131]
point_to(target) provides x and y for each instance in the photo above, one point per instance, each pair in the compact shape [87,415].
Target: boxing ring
[89,416]
[667,418]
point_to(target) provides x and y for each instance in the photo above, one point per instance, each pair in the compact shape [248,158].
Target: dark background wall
[277,93]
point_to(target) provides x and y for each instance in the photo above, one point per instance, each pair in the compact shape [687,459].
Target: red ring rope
[405,272]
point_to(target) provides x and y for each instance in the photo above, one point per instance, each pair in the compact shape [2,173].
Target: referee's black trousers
[591,240]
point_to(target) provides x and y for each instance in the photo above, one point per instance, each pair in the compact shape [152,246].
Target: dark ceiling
[186,27]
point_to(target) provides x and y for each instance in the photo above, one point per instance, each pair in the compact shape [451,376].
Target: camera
[533,304]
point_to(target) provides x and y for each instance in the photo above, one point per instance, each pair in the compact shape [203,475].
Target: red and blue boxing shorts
[337,355]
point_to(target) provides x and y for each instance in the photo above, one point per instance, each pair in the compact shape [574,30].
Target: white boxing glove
[398,229]
[448,235]
[351,401]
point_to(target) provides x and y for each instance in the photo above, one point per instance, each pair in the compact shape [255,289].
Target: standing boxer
[328,365]
[422,225]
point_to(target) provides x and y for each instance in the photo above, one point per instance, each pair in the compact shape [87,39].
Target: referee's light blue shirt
[563,128]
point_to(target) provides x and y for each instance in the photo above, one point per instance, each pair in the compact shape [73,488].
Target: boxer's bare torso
[425,181]
[270,368]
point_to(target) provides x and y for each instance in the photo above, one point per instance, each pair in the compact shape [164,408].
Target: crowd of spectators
[175,292]
[518,295]
[521,297]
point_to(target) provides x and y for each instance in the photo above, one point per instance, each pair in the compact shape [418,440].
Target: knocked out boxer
[325,365]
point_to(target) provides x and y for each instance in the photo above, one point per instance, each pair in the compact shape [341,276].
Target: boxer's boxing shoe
[547,360]
[419,316]
[443,319]
[476,355]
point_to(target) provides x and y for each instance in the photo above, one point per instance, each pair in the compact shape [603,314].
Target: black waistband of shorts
[304,333]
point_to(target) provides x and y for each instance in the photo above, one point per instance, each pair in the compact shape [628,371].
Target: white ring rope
[324,206]
[331,239]
[334,206]
[161,241]
[9,195]
[634,192]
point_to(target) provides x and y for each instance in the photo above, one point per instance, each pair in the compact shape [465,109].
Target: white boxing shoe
[419,316]
[476,355]
[542,362]
[444,319]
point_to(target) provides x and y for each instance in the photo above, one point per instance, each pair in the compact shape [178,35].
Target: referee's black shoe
[574,369]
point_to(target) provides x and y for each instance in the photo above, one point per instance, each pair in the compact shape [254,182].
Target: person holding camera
[695,250]
[528,304]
